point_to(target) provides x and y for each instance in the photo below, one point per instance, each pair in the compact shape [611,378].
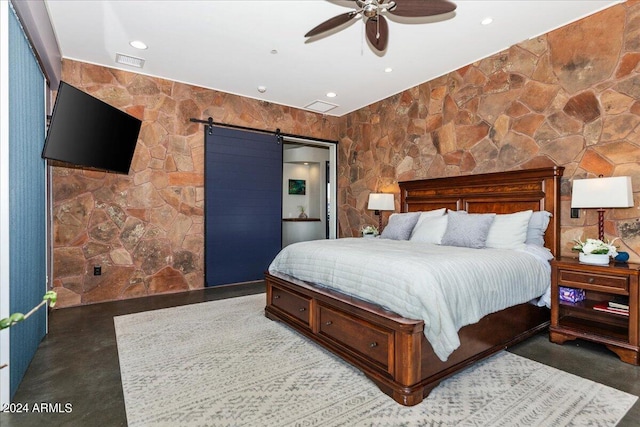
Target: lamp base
[601,224]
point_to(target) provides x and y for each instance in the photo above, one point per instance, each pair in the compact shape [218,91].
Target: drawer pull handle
[373,344]
[591,280]
[276,297]
[303,309]
[328,323]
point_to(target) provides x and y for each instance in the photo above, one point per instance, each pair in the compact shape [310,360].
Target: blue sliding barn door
[243,204]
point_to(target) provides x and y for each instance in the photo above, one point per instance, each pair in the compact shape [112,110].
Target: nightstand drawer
[596,282]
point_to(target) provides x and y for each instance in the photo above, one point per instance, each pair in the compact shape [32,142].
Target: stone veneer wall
[569,97]
[146,229]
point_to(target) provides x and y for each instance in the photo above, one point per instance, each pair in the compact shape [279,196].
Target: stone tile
[515,149]
[614,102]
[517,109]
[68,262]
[167,280]
[594,163]
[618,127]
[583,106]
[92,249]
[538,96]
[627,64]
[629,86]
[564,124]
[581,61]
[564,150]
[528,124]
[152,255]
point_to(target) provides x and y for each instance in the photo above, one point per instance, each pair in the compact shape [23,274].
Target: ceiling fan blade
[377,30]
[413,8]
[332,23]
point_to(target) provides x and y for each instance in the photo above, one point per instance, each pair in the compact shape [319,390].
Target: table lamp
[381,202]
[600,193]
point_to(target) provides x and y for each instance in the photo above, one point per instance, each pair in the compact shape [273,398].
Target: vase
[302,215]
[597,259]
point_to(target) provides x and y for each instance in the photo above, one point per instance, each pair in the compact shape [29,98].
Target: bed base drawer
[368,341]
[295,305]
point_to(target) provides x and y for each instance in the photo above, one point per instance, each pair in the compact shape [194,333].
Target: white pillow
[509,231]
[429,229]
[431,214]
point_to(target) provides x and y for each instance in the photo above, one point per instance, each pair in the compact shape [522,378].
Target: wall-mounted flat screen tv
[87,132]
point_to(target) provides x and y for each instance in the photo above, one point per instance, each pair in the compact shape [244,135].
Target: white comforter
[448,287]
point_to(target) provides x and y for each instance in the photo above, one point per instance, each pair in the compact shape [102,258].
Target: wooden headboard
[499,192]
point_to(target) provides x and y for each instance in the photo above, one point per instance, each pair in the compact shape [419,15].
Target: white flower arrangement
[369,230]
[595,246]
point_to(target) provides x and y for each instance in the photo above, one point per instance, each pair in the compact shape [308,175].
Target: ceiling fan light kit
[376,26]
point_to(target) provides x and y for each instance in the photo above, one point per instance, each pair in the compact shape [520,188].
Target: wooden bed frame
[393,351]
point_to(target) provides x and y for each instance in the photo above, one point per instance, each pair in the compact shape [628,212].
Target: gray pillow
[467,230]
[400,226]
[537,226]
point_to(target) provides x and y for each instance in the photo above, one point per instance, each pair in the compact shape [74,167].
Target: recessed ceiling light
[331,94]
[262,89]
[388,70]
[486,21]
[274,51]
[138,44]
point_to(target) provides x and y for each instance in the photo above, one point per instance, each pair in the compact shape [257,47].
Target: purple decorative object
[571,294]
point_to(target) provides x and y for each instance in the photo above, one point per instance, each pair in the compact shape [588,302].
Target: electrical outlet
[575,213]
[97,270]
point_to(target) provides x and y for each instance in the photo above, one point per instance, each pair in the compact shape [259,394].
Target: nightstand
[620,333]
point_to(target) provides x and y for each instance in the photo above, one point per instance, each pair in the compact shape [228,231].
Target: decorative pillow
[537,226]
[431,214]
[509,231]
[400,226]
[429,229]
[467,230]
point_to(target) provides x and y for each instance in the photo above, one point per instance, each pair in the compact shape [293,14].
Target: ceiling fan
[376,26]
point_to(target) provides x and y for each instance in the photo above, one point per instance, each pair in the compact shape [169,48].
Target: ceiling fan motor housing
[372,8]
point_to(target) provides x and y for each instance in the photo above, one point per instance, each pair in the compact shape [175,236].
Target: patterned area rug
[222,363]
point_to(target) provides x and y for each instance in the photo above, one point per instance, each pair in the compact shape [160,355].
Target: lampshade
[613,192]
[381,202]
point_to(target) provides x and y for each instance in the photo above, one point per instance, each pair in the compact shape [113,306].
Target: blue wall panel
[26,199]
[243,205]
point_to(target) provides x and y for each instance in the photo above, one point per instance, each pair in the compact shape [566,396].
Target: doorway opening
[309,190]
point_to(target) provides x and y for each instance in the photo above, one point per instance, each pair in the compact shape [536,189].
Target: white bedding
[447,287]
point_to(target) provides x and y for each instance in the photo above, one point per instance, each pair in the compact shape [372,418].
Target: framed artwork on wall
[297,186]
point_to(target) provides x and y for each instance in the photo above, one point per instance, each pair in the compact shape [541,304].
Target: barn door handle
[303,309]
[373,344]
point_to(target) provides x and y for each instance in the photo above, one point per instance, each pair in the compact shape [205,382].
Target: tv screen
[87,132]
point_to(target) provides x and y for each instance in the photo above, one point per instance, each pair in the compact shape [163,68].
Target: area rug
[222,363]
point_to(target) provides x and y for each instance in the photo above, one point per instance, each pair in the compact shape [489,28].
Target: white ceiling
[227,45]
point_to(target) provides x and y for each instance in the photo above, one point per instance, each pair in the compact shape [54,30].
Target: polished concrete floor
[77,363]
